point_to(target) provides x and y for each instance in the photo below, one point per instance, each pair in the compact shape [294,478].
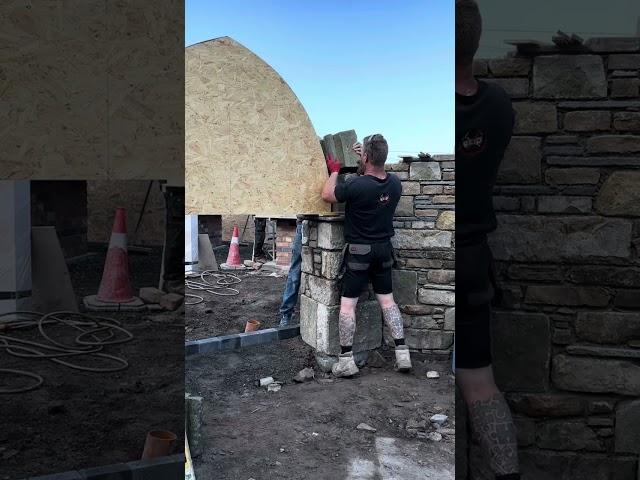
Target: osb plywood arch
[250,147]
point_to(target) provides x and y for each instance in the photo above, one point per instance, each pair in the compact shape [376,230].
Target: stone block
[586,120]
[625,87]
[307,259]
[557,204]
[428,339]
[596,375]
[617,161]
[627,299]
[322,290]
[420,239]
[441,276]
[549,465]
[521,162]
[425,171]
[444,199]
[569,77]
[521,350]
[420,322]
[430,296]
[572,176]
[506,204]
[150,294]
[614,144]
[613,44]
[405,207]
[308,320]
[567,435]
[171,301]
[627,432]
[450,319]
[608,327]
[343,142]
[330,147]
[535,118]
[331,263]
[624,61]
[626,121]
[410,188]
[605,275]
[510,67]
[547,405]
[405,286]
[556,238]
[525,431]
[330,235]
[620,194]
[514,87]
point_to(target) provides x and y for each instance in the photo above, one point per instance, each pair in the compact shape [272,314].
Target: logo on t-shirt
[473,142]
[384,198]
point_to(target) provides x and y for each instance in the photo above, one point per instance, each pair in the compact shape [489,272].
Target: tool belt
[360,249]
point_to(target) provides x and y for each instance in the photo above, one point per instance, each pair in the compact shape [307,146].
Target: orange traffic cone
[233,258]
[115,292]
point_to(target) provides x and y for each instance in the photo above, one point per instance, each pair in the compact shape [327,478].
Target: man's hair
[376,148]
[468,30]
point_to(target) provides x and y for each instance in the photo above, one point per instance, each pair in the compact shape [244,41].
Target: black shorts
[474,292]
[364,263]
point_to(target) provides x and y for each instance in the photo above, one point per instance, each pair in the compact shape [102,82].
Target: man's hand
[357,148]
[333,165]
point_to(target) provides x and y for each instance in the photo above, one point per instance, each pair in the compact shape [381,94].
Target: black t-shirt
[369,207]
[484,124]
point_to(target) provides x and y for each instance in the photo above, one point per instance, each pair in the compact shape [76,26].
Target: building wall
[566,332]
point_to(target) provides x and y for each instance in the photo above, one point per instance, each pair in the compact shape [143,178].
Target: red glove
[333,165]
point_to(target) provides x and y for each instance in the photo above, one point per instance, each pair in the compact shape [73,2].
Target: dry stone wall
[567,332]
[423,278]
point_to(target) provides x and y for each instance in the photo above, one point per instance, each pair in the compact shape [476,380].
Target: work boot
[403,359]
[285,321]
[345,367]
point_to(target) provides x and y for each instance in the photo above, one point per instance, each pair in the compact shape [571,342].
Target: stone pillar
[15,246]
[322,245]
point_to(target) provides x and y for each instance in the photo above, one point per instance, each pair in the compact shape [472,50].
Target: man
[484,123]
[290,295]
[370,203]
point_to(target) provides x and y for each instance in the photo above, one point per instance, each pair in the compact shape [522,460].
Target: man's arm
[329,188]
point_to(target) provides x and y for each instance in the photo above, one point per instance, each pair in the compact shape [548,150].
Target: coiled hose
[96,332]
[220,287]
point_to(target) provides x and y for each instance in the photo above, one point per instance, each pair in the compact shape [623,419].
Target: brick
[569,77]
[535,118]
[584,121]
[620,194]
[572,176]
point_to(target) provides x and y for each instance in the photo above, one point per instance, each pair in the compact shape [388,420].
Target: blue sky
[378,66]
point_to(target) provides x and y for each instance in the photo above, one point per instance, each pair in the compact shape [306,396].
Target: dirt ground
[308,431]
[259,298]
[79,419]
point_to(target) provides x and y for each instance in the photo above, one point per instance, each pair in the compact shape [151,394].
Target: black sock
[508,476]
[345,349]
[399,341]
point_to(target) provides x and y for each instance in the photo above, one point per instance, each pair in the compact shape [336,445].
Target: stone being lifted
[250,147]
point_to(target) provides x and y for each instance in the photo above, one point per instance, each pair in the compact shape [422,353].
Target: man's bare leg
[347,328]
[393,319]
[490,419]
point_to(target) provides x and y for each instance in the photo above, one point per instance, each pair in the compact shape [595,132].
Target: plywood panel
[250,147]
[88,90]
